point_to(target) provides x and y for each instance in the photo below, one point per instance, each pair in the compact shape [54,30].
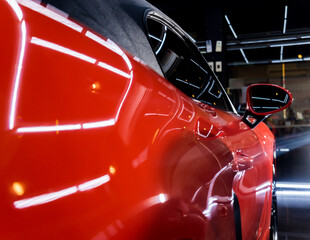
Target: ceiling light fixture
[284,31]
[290,44]
[285,19]
[235,35]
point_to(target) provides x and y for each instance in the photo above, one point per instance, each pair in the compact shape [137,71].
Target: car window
[182,66]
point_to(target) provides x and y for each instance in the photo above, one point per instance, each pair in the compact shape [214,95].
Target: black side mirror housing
[262,100]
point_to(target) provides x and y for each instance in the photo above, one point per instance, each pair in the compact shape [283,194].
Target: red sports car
[99,141]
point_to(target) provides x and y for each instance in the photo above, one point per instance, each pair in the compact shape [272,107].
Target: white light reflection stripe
[73,53]
[49,197]
[102,42]
[290,44]
[113,69]
[61,49]
[156,114]
[244,56]
[45,198]
[49,128]
[94,183]
[277,100]
[284,149]
[56,10]
[230,26]
[16,9]
[17,78]
[180,80]
[289,60]
[48,13]
[293,193]
[285,99]
[163,41]
[268,99]
[285,19]
[293,185]
[106,123]
[151,36]
[116,48]
[126,59]
[162,197]
[202,135]
[129,85]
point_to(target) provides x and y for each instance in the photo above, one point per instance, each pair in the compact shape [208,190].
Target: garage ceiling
[259,27]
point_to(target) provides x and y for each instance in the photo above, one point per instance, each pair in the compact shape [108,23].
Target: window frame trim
[190,42]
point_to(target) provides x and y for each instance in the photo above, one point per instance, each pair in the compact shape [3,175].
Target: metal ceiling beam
[290,60]
[288,39]
[299,37]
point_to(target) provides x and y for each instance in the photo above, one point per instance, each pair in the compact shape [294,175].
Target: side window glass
[182,67]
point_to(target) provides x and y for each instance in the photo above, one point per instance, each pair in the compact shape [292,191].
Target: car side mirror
[262,100]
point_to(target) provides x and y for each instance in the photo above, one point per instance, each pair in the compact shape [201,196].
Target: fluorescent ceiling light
[293,185]
[290,44]
[243,54]
[231,28]
[235,35]
[268,40]
[288,60]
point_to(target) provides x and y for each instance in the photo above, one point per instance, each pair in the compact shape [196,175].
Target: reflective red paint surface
[95,145]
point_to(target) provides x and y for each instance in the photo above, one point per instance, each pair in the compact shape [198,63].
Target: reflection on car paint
[23,30]
[141,141]
[162,41]
[61,49]
[211,88]
[16,9]
[44,43]
[50,197]
[186,82]
[50,14]
[187,113]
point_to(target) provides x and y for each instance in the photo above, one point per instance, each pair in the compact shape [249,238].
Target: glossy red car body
[95,145]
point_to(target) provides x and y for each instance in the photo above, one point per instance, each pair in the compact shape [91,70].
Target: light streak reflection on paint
[81,56]
[94,183]
[55,16]
[49,128]
[44,198]
[18,75]
[113,69]
[16,9]
[61,49]
[106,123]
[102,42]
[50,14]
[90,125]
[50,197]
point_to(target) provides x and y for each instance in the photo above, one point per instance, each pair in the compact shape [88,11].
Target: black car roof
[122,21]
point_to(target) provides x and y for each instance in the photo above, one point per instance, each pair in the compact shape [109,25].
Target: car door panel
[95,145]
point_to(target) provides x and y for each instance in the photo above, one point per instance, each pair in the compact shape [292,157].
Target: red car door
[253,154]
[248,171]
[95,145]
